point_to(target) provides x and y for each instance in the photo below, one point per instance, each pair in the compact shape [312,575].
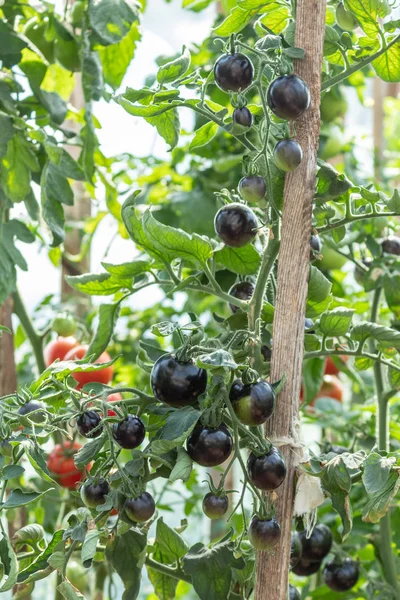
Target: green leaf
[88,452]
[341,503]
[394,202]
[173,70]
[16,168]
[153,110]
[37,461]
[170,541]
[11,45]
[331,41]
[243,261]
[108,316]
[216,360]
[167,125]
[12,471]
[12,230]
[90,144]
[376,472]
[386,336]
[176,242]
[319,298]
[69,592]
[116,58]
[276,16]
[6,132]
[331,184]
[164,585]
[9,562]
[30,533]
[182,468]
[367,13]
[67,166]
[387,66]
[42,561]
[391,286]
[112,19]
[313,375]
[92,75]
[89,547]
[178,426]
[378,503]
[336,322]
[127,553]
[19,498]
[134,227]
[203,135]
[296,53]
[234,22]
[102,284]
[128,270]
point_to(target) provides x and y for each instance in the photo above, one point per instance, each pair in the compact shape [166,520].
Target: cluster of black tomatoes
[308,553]
[288,97]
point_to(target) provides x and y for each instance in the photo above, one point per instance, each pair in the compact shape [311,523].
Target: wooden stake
[293,273]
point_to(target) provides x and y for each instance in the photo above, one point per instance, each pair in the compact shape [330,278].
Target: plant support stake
[293,273]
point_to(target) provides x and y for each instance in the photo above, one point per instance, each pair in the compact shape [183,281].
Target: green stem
[221,294]
[352,219]
[34,338]
[373,357]
[169,571]
[357,66]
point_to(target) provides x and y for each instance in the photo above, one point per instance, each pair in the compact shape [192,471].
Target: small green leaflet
[336,322]
[203,135]
[173,70]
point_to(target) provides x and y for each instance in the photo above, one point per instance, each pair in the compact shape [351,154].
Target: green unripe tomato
[345,19]
[35,31]
[67,54]
[77,13]
[77,575]
[64,324]
[331,259]
[333,105]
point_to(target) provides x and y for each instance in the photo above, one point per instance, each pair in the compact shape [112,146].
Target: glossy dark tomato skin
[308,324]
[288,97]
[305,568]
[266,353]
[87,422]
[233,72]
[267,472]
[315,247]
[293,593]
[236,225]
[264,534]
[342,576]
[242,116]
[210,446]
[93,494]
[129,433]
[252,188]
[140,509]
[215,507]
[288,155]
[391,245]
[30,407]
[243,290]
[318,545]
[295,550]
[253,403]
[177,383]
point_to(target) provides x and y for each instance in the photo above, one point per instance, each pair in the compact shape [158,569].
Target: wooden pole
[8,373]
[293,273]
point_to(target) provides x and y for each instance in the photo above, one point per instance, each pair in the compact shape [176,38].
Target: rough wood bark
[8,374]
[293,272]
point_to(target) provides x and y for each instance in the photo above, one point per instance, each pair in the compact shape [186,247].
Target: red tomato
[331,368]
[61,464]
[58,349]
[103,376]
[113,398]
[331,388]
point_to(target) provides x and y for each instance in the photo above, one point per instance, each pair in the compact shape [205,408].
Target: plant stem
[385,544]
[34,338]
[352,219]
[373,357]
[169,571]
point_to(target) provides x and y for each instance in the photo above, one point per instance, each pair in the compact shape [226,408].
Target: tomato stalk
[35,338]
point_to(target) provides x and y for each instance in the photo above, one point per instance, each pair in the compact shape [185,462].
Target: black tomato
[308,325]
[318,545]
[305,568]
[129,433]
[288,155]
[391,245]
[233,72]
[293,593]
[288,97]
[243,290]
[242,116]
[140,509]
[295,550]
[236,225]
[252,188]
[253,403]
[315,247]
[266,353]
[177,383]
[94,494]
[32,407]
[267,472]
[210,446]
[264,534]
[341,576]
[86,422]
[215,507]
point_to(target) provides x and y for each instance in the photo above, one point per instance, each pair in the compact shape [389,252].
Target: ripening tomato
[330,366]
[58,349]
[103,376]
[331,388]
[61,464]
[113,398]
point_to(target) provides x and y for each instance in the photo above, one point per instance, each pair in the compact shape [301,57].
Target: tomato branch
[353,219]
[35,338]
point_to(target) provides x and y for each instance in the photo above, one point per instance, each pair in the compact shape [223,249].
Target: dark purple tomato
[253,403]
[243,290]
[293,593]
[264,534]
[233,72]
[305,568]
[243,117]
[87,422]
[308,325]
[38,415]
[93,494]
[288,155]
[341,576]
[267,472]
[140,509]
[236,225]
[318,545]
[295,550]
[252,188]
[215,507]
[359,273]
[177,383]
[266,353]
[288,97]
[210,446]
[315,247]
[129,433]
[391,245]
